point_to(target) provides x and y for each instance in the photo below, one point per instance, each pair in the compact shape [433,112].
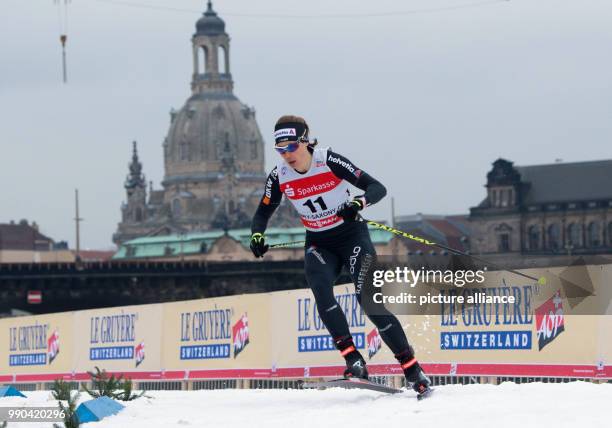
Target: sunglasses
[289,148]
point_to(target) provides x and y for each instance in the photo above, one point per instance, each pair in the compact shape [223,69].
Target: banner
[37,344]
[560,328]
[124,338]
[219,333]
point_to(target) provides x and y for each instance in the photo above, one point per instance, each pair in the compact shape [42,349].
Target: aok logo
[139,353]
[240,334]
[549,320]
[53,346]
[374,343]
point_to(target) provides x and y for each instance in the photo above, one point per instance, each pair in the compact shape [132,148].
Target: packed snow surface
[509,405]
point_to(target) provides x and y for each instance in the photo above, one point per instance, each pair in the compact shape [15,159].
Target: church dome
[211,135]
[210,24]
[213,154]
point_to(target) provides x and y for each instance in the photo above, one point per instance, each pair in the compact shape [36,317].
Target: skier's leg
[322,267]
[359,257]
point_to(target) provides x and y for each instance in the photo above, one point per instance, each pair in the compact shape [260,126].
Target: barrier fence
[277,338]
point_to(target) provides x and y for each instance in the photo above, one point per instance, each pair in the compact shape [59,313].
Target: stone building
[23,242]
[561,208]
[213,154]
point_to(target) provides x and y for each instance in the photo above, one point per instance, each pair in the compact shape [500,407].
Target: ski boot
[356,367]
[416,378]
[355,364]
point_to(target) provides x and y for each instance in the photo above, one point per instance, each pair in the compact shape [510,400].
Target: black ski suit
[348,244]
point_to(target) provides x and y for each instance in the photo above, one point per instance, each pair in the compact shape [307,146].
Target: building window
[222,60]
[534,237]
[503,243]
[138,214]
[554,237]
[202,60]
[610,233]
[176,207]
[184,152]
[593,235]
[573,235]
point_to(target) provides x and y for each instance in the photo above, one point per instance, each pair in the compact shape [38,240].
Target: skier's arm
[345,169]
[270,200]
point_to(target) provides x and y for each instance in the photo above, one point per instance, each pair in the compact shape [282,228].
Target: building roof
[95,255]
[160,246]
[23,236]
[575,181]
[445,230]
[210,24]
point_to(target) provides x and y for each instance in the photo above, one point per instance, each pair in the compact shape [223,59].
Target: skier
[316,181]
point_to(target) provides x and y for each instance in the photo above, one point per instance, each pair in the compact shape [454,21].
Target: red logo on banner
[53,346]
[139,352]
[374,343]
[240,334]
[549,320]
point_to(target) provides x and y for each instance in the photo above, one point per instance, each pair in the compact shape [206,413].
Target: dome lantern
[211,65]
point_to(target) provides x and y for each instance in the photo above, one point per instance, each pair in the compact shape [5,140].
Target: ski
[425,394]
[351,383]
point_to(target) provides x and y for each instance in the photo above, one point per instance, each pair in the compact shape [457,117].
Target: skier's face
[299,158]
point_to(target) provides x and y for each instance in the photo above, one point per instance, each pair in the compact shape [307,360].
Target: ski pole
[287,244]
[403,234]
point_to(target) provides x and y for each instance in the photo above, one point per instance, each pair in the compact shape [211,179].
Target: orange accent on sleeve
[266,200]
[347,351]
[409,363]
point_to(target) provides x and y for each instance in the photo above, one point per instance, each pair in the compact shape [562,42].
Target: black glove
[349,210]
[258,245]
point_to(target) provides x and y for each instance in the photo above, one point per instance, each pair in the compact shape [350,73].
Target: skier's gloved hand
[349,210]
[258,245]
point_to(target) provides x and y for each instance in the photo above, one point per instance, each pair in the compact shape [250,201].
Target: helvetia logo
[240,334]
[139,353]
[285,132]
[345,164]
[549,320]
[374,343]
[53,346]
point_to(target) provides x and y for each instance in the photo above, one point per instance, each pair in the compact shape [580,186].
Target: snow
[509,405]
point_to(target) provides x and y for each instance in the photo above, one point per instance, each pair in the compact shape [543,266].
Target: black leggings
[323,262]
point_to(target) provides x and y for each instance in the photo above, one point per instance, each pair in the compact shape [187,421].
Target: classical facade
[213,154]
[561,208]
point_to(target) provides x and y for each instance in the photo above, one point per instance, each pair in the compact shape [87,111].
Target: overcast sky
[424,101]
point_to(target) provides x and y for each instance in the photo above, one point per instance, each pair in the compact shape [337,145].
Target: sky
[422,94]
